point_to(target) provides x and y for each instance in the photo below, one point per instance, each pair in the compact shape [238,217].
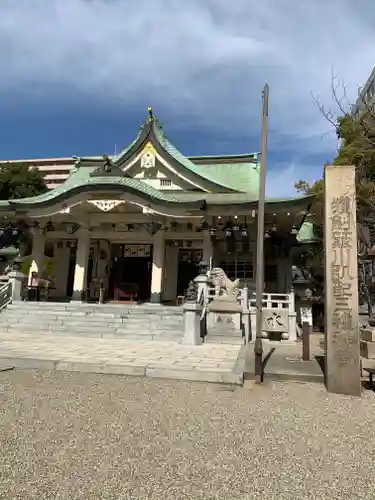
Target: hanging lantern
[228,231]
[244,232]
[70,227]
[49,226]
[267,235]
[294,230]
[204,226]
[235,225]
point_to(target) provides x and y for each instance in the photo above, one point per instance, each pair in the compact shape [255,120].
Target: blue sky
[78,75]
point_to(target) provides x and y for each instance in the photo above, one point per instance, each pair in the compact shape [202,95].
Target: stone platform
[205,363]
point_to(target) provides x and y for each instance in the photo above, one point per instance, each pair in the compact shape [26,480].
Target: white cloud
[206,60]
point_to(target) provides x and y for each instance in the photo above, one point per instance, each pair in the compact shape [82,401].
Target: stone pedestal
[341,282]
[224,322]
[192,323]
[367,346]
[202,285]
[292,334]
[16,279]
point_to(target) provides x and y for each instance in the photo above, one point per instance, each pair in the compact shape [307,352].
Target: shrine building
[138,223]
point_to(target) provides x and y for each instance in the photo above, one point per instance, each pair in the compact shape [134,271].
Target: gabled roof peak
[152,122]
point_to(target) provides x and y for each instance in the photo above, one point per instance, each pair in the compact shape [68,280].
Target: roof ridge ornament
[152,119]
[107,169]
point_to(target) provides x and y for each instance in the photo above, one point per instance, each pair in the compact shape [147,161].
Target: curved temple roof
[224,180]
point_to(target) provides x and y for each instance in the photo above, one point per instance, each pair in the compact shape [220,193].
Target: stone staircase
[138,322]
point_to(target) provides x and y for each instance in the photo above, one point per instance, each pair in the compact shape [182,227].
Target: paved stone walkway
[206,363]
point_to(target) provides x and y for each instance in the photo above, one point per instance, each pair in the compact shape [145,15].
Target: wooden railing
[275,301]
[270,300]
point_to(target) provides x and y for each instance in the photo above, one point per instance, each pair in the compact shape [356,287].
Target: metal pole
[258,346]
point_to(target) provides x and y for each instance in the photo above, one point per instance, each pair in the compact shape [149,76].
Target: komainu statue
[226,289]
[226,293]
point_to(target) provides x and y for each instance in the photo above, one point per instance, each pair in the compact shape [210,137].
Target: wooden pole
[306,330]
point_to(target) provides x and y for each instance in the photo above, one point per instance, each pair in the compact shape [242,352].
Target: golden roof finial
[151,116]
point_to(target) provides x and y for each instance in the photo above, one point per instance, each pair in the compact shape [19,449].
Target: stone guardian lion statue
[227,289]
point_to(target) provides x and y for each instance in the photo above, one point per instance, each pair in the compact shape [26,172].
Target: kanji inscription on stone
[341,282]
[275,320]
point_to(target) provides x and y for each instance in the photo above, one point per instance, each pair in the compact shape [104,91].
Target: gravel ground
[83,436]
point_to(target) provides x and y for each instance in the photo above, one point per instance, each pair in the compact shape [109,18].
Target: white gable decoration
[154,170]
[148,159]
[106,205]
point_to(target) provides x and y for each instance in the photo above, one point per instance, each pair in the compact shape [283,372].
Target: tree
[20,181]
[355,128]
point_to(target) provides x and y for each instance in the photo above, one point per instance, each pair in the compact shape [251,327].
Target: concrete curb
[212,376]
[294,377]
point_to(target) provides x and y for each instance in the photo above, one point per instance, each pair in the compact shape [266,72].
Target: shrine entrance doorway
[188,269]
[130,274]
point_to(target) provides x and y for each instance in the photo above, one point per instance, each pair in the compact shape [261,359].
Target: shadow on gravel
[266,359]
[321,360]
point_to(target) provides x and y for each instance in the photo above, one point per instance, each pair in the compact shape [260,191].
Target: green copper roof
[80,177]
[220,177]
[306,233]
[243,177]
[227,182]
[196,169]
[81,180]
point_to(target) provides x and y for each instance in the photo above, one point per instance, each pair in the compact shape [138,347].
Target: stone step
[219,339]
[109,308]
[6,317]
[18,318]
[218,332]
[73,322]
[368,334]
[94,315]
[130,335]
[367,349]
[95,327]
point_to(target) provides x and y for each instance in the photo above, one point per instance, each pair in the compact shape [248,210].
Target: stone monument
[341,282]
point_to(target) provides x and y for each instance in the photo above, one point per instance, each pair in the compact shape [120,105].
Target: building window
[165,183]
[238,267]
